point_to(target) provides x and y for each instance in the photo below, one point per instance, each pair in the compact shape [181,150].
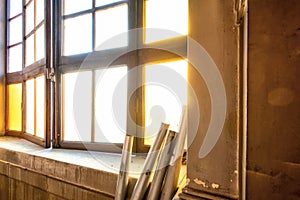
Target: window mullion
[35,110]
[35,29]
[93,26]
[93,113]
[23,36]
[49,80]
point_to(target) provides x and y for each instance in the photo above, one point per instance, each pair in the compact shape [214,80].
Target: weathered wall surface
[273,160]
[24,176]
[2,66]
[213,25]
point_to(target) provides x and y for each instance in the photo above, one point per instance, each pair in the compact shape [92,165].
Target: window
[94,27]
[15,36]
[92,92]
[171,15]
[14,107]
[26,66]
[34,31]
[80,121]
[165,94]
[35,106]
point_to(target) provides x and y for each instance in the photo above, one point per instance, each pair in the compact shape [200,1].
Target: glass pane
[110,23]
[78,35]
[170,15]
[165,94]
[15,7]
[15,107]
[104,2]
[15,59]
[77,106]
[29,16]
[40,10]
[29,51]
[15,30]
[73,6]
[40,106]
[40,43]
[30,106]
[111,105]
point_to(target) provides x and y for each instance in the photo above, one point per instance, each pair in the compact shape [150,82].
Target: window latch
[51,74]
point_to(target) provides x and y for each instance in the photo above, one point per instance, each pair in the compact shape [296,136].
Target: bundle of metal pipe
[165,179]
[163,163]
[173,171]
[143,181]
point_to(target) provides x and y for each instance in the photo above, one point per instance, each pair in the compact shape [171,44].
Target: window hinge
[50,74]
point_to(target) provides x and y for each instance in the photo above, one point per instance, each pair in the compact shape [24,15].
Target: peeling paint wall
[273,160]
[213,25]
[2,66]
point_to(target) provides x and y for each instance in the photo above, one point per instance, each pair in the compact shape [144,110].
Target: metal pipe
[143,181]
[163,162]
[122,183]
[171,180]
[245,97]
[173,171]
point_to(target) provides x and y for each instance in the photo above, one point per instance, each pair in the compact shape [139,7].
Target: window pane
[15,59]
[111,92]
[40,10]
[40,106]
[15,7]
[78,35]
[40,43]
[73,6]
[30,106]
[15,30]
[29,17]
[104,2]
[29,52]
[110,23]
[170,15]
[77,106]
[166,93]
[15,107]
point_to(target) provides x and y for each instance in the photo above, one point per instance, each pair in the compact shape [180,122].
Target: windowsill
[95,172]
[56,171]
[108,162]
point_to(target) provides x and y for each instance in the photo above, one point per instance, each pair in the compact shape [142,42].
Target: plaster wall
[273,162]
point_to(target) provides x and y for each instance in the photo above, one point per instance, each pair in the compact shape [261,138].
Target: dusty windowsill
[109,162]
[94,171]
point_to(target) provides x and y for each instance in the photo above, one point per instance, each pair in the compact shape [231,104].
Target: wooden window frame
[148,54]
[33,70]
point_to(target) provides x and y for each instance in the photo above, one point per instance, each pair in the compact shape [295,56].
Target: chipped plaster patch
[188,181]
[215,186]
[199,182]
